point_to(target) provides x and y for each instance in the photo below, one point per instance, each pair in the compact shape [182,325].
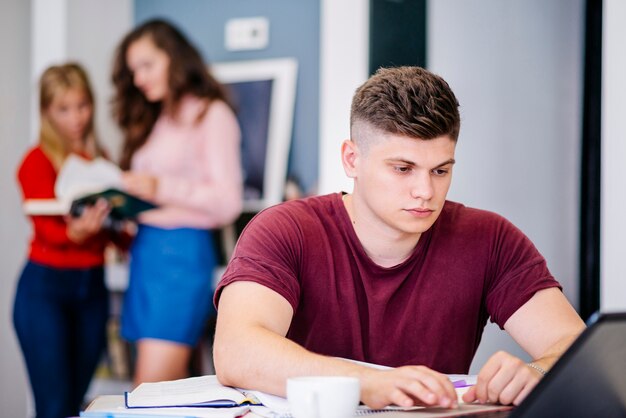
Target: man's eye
[440,171]
[402,169]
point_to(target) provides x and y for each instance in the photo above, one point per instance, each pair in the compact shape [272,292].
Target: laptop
[589,380]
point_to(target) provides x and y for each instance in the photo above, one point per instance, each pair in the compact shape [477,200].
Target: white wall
[516,69]
[14,139]
[613,235]
[47,46]
[86,31]
[36,34]
[343,67]
[94,28]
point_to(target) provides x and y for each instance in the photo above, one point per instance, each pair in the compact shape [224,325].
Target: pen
[460,384]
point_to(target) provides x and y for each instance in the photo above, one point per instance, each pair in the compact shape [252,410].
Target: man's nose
[422,186]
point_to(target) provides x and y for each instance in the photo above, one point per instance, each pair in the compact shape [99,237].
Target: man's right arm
[251,351]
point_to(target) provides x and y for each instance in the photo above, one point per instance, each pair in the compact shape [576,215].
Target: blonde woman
[61,304]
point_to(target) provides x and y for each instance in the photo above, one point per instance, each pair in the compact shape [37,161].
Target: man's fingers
[504,379]
[400,398]
[486,374]
[430,387]
[442,387]
[507,394]
[420,393]
[522,395]
[470,395]
[408,386]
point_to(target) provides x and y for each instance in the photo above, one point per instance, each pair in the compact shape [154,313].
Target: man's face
[400,183]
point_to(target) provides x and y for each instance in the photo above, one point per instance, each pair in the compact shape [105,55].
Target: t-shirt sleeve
[36,178]
[269,253]
[517,272]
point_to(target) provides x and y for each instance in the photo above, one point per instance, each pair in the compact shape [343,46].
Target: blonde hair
[55,80]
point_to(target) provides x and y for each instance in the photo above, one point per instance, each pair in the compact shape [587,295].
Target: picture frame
[263,93]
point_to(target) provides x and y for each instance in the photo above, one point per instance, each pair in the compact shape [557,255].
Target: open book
[203,391]
[206,391]
[81,183]
[112,406]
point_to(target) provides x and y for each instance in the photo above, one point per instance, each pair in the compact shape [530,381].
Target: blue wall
[294,32]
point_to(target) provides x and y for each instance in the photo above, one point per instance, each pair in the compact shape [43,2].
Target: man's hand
[544,327]
[407,386]
[272,359]
[504,379]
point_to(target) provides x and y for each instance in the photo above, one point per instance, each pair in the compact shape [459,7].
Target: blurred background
[541,87]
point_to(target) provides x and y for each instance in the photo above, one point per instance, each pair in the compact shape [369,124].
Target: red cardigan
[50,244]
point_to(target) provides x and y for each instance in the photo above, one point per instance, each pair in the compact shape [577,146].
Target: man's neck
[386,246]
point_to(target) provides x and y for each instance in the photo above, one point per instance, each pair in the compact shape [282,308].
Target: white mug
[323,396]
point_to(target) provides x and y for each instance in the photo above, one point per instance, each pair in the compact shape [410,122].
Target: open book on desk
[81,183]
[203,391]
[112,406]
[207,393]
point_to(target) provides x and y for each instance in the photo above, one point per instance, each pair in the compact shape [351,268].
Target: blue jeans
[60,319]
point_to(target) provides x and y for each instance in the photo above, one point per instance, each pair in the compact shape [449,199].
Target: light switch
[246,33]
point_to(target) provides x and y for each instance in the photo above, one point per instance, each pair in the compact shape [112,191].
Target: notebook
[589,380]
[112,406]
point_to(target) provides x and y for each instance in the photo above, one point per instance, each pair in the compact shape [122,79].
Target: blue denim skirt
[169,295]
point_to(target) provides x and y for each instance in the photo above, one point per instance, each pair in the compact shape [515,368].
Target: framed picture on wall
[263,93]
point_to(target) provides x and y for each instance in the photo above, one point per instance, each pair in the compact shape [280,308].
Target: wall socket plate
[246,33]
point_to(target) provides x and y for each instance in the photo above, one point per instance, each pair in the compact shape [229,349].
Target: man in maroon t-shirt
[392,273]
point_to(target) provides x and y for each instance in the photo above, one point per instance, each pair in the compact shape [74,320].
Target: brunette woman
[182,152]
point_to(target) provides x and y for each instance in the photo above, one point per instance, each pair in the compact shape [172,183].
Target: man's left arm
[544,327]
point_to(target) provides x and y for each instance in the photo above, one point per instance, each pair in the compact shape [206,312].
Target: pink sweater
[198,167]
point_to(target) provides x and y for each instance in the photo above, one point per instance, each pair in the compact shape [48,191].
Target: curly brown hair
[409,101]
[188,74]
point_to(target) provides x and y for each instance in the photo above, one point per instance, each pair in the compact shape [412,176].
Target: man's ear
[349,157]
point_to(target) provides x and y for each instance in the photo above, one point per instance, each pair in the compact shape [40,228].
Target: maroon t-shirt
[429,310]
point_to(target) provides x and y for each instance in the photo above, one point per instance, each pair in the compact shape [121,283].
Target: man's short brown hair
[408,101]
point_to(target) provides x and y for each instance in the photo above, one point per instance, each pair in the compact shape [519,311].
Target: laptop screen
[589,380]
